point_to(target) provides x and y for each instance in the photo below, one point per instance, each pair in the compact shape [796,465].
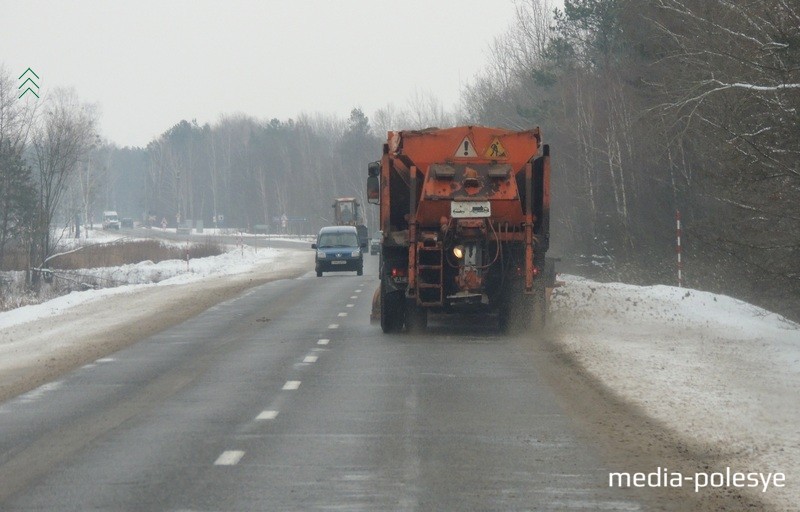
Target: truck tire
[538,313]
[392,311]
[515,317]
[523,313]
[416,318]
[504,318]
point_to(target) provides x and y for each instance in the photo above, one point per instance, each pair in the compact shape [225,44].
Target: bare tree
[63,137]
[16,116]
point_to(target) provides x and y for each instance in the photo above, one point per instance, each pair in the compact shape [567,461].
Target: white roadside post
[678,248]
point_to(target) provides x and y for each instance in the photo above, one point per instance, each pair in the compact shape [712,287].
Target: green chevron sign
[32,86]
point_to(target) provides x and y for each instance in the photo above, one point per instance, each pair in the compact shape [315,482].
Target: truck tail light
[400,275]
[521,271]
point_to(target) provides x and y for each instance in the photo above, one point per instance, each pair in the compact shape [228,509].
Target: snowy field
[715,370]
[14,294]
[147,274]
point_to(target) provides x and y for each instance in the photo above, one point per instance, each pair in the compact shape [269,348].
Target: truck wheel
[517,314]
[538,318]
[516,317]
[511,307]
[504,318]
[416,318]
[392,311]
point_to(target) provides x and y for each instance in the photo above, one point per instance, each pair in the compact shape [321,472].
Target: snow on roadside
[716,370]
[235,261]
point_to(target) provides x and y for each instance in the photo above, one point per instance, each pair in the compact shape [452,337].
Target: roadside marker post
[678,248]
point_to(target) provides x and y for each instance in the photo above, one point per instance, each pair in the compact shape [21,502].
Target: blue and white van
[338,249]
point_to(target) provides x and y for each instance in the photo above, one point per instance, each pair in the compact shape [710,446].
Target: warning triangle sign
[466,149]
[495,150]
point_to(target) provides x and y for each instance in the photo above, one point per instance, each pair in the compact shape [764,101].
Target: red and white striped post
[678,248]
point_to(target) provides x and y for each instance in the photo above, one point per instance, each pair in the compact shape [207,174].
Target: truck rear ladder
[430,269]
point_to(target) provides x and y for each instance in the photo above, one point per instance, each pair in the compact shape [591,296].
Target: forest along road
[286,398]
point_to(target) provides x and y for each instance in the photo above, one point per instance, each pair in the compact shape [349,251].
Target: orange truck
[465,217]
[347,212]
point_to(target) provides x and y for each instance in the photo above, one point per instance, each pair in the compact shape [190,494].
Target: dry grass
[15,291]
[117,253]
[130,252]
[14,259]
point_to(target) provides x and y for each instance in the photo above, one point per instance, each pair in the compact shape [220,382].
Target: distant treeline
[242,172]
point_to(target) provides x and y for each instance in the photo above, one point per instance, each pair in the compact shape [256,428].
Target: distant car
[338,250]
[110,220]
[375,244]
[127,222]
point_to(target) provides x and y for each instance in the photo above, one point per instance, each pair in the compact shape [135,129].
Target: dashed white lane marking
[310,359]
[354,296]
[32,396]
[267,415]
[323,341]
[349,305]
[291,385]
[358,291]
[342,314]
[333,326]
[229,458]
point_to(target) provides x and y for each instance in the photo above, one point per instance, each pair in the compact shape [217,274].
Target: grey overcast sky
[149,64]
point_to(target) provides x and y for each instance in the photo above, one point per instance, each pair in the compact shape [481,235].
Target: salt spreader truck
[465,216]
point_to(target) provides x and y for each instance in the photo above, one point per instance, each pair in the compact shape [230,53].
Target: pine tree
[17,197]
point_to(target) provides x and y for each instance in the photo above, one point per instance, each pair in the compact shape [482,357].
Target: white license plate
[338,262]
[470,209]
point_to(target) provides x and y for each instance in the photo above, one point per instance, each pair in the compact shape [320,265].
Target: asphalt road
[286,398]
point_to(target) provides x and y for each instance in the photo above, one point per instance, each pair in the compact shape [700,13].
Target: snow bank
[129,278]
[716,370]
